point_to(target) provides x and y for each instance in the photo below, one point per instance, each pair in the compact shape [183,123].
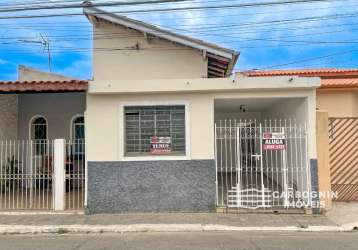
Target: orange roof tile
[43,86]
[330,78]
[304,72]
[339,83]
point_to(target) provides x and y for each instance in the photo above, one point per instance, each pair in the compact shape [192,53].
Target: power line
[212,16]
[220,7]
[307,60]
[33,7]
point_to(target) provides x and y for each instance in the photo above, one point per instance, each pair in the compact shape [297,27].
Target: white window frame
[123,157]
[71,125]
[30,125]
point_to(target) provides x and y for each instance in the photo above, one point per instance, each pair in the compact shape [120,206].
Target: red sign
[160,145]
[274,141]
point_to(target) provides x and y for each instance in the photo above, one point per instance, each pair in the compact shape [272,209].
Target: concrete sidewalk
[171,222]
[236,220]
[343,217]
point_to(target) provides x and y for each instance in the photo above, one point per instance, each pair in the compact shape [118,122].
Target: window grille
[78,135]
[39,135]
[144,122]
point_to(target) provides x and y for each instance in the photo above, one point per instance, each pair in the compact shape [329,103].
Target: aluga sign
[274,141]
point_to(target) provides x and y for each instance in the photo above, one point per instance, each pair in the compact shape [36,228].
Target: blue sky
[322,34]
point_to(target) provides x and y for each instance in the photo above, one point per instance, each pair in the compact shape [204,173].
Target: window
[154,130]
[38,134]
[78,135]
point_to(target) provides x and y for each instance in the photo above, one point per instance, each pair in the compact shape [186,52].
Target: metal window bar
[144,122]
[248,176]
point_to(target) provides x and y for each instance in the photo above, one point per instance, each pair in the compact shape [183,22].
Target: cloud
[220,26]
[2,61]
[78,69]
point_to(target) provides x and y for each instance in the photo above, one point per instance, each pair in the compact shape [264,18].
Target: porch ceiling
[252,104]
[43,86]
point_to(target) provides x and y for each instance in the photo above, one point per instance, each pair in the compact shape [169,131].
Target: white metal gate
[26,174]
[28,171]
[253,175]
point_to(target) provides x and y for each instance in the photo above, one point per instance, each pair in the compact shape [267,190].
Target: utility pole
[45,42]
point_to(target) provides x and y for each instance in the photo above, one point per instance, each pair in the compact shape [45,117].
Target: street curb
[143,228]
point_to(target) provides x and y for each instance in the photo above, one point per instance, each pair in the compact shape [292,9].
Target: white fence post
[59,171]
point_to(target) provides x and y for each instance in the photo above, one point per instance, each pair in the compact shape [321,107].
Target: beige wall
[324,172]
[30,74]
[8,117]
[103,119]
[57,108]
[156,58]
[340,103]
[103,133]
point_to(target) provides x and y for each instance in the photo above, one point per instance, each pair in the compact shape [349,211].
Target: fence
[26,174]
[29,173]
[343,152]
[261,165]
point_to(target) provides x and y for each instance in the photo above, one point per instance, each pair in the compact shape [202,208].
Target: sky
[323,34]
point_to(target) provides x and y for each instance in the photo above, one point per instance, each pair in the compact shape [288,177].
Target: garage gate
[343,150]
[262,164]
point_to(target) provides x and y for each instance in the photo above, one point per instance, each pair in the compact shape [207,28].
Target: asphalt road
[173,241]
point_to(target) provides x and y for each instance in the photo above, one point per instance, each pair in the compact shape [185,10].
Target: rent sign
[160,145]
[274,141]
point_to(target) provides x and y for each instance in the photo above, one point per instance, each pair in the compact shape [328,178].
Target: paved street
[173,241]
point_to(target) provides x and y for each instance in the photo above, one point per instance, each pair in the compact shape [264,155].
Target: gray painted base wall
[314,182]
[151,186]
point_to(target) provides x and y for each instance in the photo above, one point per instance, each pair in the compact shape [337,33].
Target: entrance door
[251,191]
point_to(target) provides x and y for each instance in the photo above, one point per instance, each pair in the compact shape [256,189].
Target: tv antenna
[45,42]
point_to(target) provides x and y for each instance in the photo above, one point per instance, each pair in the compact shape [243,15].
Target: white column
[86,165]
[60,172]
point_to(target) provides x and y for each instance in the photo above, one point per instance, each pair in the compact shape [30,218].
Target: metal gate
[75,174]
[262,165]
[27,174]
[343,150]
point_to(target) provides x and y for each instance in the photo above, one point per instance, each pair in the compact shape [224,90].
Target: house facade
[152,85]
[168,128]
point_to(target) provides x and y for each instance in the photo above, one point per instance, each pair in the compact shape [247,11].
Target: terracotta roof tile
[43,86]
[304,72]
[339,83]
[330,78]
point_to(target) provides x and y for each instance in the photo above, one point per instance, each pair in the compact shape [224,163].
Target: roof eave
[232,64]
[164,34]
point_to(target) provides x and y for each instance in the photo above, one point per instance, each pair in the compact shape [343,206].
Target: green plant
[8,174]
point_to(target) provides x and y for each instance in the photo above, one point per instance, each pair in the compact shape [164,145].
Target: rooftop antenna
[45,42]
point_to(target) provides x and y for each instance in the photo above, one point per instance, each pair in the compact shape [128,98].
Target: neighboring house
[30,74]
[338,96]
[169,128]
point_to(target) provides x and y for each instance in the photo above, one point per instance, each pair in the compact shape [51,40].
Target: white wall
[57,108]
[103,119]
[8,117]
[155,58]
[296,109]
